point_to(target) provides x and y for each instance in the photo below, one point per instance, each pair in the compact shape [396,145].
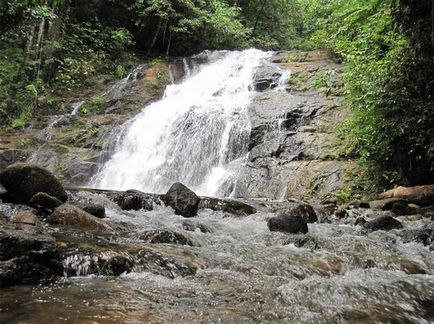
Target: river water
[245,273]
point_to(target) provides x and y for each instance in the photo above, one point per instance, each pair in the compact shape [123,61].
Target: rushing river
[245,273]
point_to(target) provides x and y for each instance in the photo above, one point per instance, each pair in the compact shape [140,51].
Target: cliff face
[294,149]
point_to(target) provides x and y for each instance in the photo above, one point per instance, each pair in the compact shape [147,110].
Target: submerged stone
[166,236]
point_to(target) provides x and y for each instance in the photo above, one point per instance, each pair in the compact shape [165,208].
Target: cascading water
[197,134]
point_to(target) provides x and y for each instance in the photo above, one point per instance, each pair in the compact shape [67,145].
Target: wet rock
[288,224]
[192,227]
[305,211]
[24,180]
[182,200]
[410,218]
[27,258]
[421,195]
[73,216]
[44,201]
[134,200]
[401,208]
[358,204]
[305,241]
[341,213]
[424,235]
[93,209]
[26,217]
[165,265]
[233,207]
[266,77]
[427,212]
[166,236]
[360,221]
[109,263]
[384,222]
[384,204]
[264,84]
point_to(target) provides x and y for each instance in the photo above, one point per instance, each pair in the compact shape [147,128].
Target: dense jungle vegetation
[51,47]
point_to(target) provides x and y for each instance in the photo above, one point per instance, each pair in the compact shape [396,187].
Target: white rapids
[196,134]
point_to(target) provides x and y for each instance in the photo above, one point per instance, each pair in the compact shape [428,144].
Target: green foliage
[389,81]
[91,106]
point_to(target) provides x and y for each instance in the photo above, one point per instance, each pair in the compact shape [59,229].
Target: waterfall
[196,134]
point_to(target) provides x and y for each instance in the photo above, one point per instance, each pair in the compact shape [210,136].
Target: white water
[197,134]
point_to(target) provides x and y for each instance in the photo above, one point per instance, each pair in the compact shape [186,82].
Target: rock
[166,236]
[305,241]
[24,180]
[44,201]
[421,195]
[27,258]
[358,204]
[264,84]
[288,224]
[424,235]
[384,223]
[93,209]
[412,218]
[401,208]
[427,212]
[73,216]
[305,211]
[384,204]
[182,200]
[134,200]
[25,217]
[341,213]
[192,227]
[360,221]
[233,207]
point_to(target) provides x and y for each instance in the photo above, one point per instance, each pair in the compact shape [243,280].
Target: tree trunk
[154,40]
[257,17]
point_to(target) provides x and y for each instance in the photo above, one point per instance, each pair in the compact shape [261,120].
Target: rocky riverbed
[130,256]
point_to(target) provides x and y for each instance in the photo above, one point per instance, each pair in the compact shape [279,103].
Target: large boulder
[73,216]
[27,258]
[384,222]
[288,224]
[421,195]
[23,181]
[182,200]
[304,210]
